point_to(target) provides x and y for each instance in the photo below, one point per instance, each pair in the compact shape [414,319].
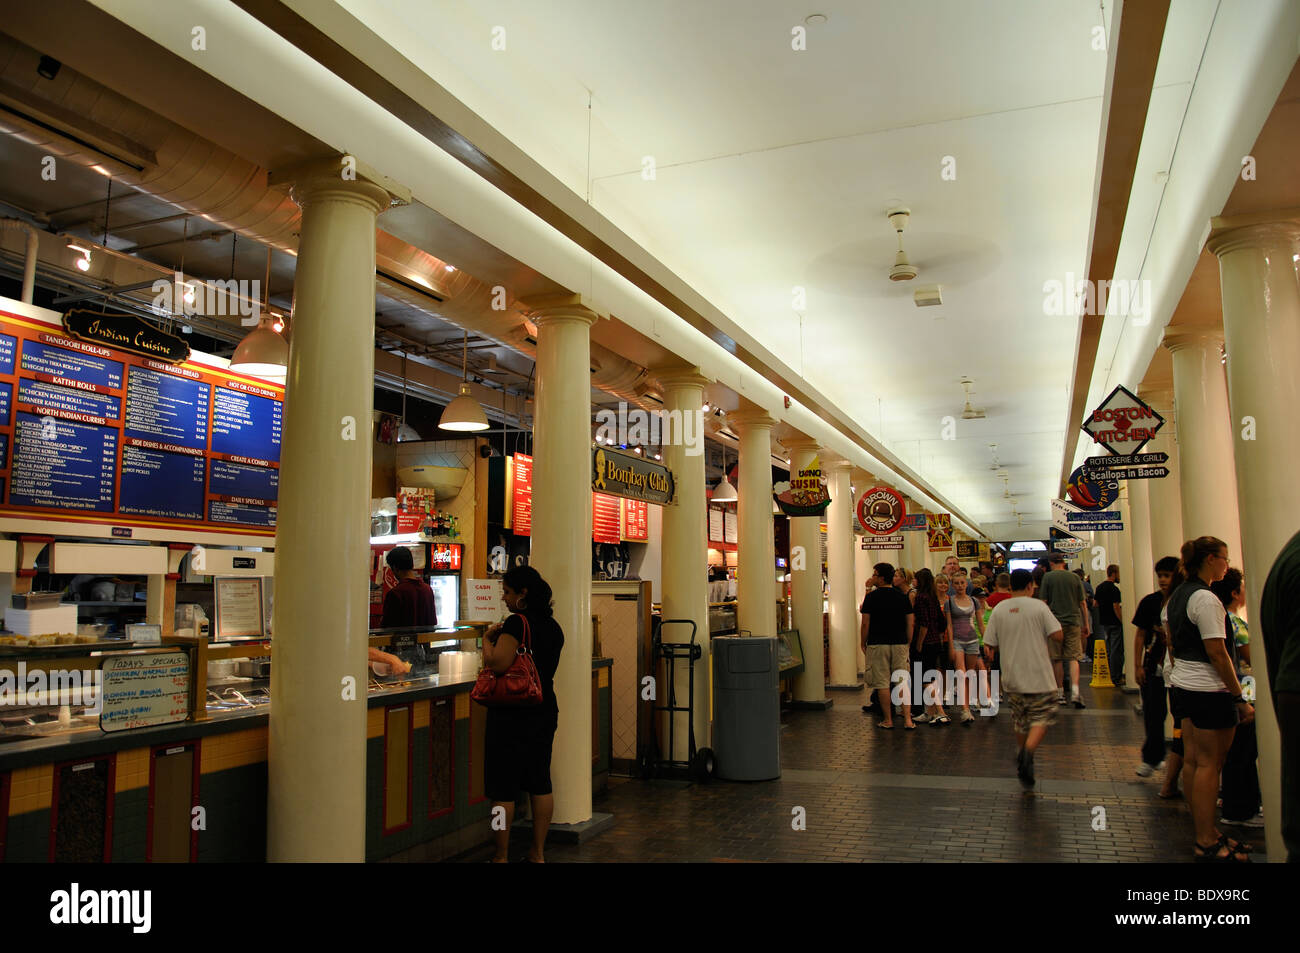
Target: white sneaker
[1145,770]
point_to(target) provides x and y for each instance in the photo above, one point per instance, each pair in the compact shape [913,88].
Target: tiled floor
[933,794]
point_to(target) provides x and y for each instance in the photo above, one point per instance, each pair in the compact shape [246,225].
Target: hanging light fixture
[405,432]
[262,352]
[724,492]
[464,413]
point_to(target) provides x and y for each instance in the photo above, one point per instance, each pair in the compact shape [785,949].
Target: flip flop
[911,727]
[881,724]
[1176,796]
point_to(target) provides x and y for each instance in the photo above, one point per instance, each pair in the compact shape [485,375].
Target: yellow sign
[618,474]
[1100,666]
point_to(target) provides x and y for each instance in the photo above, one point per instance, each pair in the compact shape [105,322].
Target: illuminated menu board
[636,520]
[521,495]
[93,434]
[605,513]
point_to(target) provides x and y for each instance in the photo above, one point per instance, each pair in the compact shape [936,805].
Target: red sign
[636,520]
[93,434]
[521,499]
[1123,423]
[605,512]
[881,511]
[413,506]
[446,557]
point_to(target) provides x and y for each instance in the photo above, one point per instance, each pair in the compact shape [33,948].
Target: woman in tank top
[965,629]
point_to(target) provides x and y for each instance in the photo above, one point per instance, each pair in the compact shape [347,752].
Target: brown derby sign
[126,332]
[881,511]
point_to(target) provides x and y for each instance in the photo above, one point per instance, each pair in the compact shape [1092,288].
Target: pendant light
[724,492]
[464,413]
[262,352]
[405,432]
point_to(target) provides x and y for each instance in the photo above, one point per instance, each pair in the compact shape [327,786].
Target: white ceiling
[775,168]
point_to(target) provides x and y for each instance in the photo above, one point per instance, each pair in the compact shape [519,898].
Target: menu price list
[8,348]
[140,690]
[71,365]
[521,505]
[239,479]
[89,404]
[167,485]
[220,511]
[246,425]
[64,465]
[636,520]
[166,408]
[605,512]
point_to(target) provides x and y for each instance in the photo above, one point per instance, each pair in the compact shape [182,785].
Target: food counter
[196,789]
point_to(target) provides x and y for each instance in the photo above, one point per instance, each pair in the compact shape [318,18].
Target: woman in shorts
[965,630]
[930,636]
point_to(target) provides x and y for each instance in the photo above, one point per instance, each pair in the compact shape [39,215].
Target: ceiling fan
[903,269]
[969,412]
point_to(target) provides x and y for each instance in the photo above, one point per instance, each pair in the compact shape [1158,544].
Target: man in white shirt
[1020,627]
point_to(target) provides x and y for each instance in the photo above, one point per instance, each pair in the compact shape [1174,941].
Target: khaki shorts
[882,662]
[1069,648]
[1030,710]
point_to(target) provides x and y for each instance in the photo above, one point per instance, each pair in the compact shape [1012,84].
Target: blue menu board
[65,398]
[4,454]
[6,392]
[246,425]
[62,464]
[71,365]
[8,345]
[155,483]
[166,408]
[238,479]
[219,512]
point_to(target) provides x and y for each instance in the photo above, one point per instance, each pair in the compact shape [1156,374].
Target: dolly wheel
[702,766]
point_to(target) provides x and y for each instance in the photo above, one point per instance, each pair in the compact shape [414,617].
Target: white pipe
[29,262]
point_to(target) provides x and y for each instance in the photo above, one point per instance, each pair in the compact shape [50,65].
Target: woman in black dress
[517,755]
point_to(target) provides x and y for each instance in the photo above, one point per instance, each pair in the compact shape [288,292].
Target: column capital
[1178,339]
[1233,232]
[679,375]
[838,466]
[747,418]
[339,178]
[562,307]
[803,443]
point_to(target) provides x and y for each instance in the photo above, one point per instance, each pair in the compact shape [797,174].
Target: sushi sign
[1123,423]
[805,494]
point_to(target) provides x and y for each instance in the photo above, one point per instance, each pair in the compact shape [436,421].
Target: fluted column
[844,622]
[1261,322]
[806,587]
[1138,529]
[561,535]
[685,531]
[316,783]
[756,550]
[1204,424]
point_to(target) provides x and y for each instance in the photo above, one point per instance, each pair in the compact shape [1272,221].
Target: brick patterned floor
[933,794]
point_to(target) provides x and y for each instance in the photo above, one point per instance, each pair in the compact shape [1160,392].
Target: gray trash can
[746,709]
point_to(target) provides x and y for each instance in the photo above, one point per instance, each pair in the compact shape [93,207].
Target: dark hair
[884,571]
[1056,558]
[1004,579]
[538,600]
[400,559]
[1020,579]
[1113,567]
[924,582]
[1196,551]
[1167,564]
[1226,586]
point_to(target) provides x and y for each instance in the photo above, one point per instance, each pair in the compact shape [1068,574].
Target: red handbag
[518,686]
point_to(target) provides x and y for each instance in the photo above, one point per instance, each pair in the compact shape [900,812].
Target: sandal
[1176,796]
[1241,847]
[881,724]
[944,720]
[1210,855]
[911,727]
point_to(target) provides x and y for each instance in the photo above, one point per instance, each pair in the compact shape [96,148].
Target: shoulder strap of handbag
[526,642]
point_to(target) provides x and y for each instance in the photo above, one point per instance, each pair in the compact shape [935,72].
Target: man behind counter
[410,602]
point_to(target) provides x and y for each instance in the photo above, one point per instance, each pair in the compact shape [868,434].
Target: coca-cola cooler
[439,565]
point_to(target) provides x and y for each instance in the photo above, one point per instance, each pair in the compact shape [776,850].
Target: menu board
[730,522]
[636,520]
[92,434]
[715,525]
[605,518]
[521,495]
[143,690]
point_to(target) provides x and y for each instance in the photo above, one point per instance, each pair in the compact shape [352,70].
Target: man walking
[1150,643]
[1063,593]
[1022,628]
[886,634]
[1110,616]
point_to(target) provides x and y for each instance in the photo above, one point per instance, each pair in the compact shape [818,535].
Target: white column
[756,550]
[862,563]
[1139,537]
[685,531]
[806,586]
[316,793]
[1261,321]
[1122,556]
[561,536]
[913,543]
[1164,496]
[844,622]
[1204,423]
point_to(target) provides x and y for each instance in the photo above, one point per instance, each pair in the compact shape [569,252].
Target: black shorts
[1210,711]
[517,753]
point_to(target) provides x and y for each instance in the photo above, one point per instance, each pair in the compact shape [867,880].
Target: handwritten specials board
[143,690]
[93,434]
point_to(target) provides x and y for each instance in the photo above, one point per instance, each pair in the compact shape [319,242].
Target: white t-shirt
[1206,612]
[1020,627]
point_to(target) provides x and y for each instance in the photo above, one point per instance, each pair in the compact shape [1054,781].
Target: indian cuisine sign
[805,494]
[126,332]
[626,475]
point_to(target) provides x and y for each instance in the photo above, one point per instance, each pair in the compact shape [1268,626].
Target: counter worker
[409,603]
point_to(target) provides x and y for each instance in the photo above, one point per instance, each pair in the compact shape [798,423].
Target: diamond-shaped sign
[1122,423]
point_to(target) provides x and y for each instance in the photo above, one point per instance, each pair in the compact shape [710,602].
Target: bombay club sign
[881,511]
[1122,423]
